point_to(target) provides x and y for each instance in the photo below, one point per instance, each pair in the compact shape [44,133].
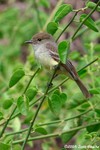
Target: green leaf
[7,103]
[45,3]
[16,147]
[63,98]
[57,91]
[62,11]
[31,93]
[41,130]
[67,136]
[75,55]
[29,117]
[52,27]
[4,146]
[63,49]
[93,128]
[82,72]
[55,104]
[97,47]
[85,106]
[16,125]
[95,91]
[1,115]
[89,23]
[98,112]
[18,74]
[23,105]
[91,5]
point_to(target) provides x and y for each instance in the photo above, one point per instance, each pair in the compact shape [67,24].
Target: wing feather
[53,51]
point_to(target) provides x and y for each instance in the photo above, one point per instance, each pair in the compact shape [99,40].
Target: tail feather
[83,88]
[70,71]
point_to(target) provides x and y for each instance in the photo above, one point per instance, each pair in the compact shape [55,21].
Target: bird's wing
[68,66]
[71,69]
[52,47]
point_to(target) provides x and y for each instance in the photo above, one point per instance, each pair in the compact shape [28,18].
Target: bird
[46,52]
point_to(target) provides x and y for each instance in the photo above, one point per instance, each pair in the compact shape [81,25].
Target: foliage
[58,110]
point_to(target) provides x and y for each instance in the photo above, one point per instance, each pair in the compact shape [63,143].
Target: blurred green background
[19,22]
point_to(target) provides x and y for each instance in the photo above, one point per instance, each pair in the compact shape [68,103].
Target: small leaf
[4,146]
[52,27]
[31,93]
[93,128]
[56,92]
[7,103]
[67,136]
[29,117]
[55,104]
[23,105]
[97,112]
[91,5]
[82,72]
[95,91]
[63,98]
[89,22]
[45,3]
[18,74]
[41,130]
[97,47]
[63,49]
[85,106]
[1,116]
[62,11]
[16,125]
[16,147]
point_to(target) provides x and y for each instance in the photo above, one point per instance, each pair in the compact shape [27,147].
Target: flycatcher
[45,51]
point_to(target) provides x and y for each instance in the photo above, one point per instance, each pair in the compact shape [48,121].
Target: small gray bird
[45,51]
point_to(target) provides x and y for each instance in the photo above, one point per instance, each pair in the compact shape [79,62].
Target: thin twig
[37,111]
[67,26]
[7,121]
[91,12]
[57,134]
[85,29]
[49,123]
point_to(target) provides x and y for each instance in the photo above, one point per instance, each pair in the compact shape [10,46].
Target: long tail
[83,88]
[71,72]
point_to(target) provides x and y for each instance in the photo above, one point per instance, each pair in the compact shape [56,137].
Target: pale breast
[43,56]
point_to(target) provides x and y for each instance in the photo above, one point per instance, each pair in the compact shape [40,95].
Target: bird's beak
[28,42]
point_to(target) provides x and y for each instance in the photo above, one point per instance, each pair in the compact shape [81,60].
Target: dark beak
[28,42]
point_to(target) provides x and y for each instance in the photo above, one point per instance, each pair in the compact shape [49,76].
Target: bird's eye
[39,39]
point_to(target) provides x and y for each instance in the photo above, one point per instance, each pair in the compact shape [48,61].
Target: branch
[66,26]
[91,12]
[7,121]
[50,123]
[37,111]
[84,30]
[57,134]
